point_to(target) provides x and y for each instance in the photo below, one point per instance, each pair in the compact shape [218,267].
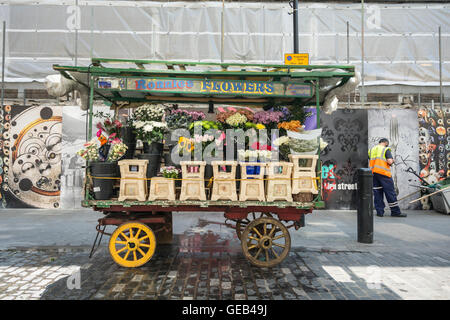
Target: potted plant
[149,127]
[103,168]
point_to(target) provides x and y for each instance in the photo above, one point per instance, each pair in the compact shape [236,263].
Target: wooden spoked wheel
[241,224]
[265,242]
[132,244]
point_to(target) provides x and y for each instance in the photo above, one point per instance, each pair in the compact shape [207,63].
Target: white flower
[281,140]
[148,127]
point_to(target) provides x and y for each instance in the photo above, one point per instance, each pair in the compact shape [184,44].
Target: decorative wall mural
[32,152]
[5,125]
[434,145]
[345,131]
[400,126]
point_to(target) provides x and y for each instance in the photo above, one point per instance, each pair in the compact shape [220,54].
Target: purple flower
[267,117]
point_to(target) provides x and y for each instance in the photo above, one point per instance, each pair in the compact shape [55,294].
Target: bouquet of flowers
[235,118]
[283,146]
[179,118]
[89,151]
[152,131]
[170,172]
[117,150]
[293,125]
[268,118]
[203,138]
[205,126]
[108,125]
[149,112]
[287,115]
[257,126]
[262,155]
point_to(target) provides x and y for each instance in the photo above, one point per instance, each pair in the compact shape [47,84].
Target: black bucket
[153,148]
[208,174]
[168,158]
[129,139]
[153,165]
[104,188]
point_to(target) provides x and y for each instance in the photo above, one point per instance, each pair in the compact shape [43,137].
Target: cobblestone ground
[223,273]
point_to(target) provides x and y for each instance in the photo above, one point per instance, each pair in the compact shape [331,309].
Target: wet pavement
[409,259]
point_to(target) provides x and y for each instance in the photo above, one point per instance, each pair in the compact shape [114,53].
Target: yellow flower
[260,126]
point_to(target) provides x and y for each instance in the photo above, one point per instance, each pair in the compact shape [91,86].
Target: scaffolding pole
[3,62]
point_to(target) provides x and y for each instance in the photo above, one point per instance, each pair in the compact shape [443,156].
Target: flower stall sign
[207,87]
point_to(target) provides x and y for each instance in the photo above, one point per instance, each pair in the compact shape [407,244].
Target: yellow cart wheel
[132,244]
[241,224]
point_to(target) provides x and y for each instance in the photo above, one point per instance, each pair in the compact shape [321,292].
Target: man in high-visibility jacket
[380,161]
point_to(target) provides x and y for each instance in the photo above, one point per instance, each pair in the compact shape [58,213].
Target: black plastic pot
[208,173]
[153,166]
[153,148]
[104,188]
[129,139]
[168,157]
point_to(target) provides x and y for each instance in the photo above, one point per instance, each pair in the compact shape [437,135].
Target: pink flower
[257,146]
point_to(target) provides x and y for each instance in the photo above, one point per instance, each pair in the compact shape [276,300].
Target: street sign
[296,58]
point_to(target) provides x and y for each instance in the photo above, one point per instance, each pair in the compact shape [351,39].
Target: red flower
[100,126]
[117,123]
[257,146]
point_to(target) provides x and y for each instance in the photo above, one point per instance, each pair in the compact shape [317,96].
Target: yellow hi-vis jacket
[378,162]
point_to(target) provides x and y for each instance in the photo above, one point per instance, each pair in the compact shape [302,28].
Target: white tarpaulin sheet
[401,41]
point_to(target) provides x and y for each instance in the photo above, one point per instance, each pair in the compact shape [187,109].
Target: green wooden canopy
[122,81]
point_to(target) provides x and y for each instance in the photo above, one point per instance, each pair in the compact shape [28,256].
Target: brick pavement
[409,259]
[173,274]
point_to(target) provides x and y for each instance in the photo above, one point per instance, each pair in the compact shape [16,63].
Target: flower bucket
[168,157]
[104,188]
[154,163]
[153,148]
[254,169]
[129,139]
[208,173]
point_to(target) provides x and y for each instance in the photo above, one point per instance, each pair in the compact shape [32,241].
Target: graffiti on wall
[434,145]
[345,131]
[31,156]
[400,127]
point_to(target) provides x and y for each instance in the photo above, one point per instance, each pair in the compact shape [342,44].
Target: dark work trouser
[384,185]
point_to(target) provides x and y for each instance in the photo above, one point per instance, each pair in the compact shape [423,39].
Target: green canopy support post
[319,165]
[91,106]
[90,116]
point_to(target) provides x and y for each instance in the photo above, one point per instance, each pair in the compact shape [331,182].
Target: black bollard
[365,205]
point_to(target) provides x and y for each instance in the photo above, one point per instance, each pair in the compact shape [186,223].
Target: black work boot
[401,215]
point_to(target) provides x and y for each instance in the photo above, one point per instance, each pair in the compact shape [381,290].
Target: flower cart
[249,98]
